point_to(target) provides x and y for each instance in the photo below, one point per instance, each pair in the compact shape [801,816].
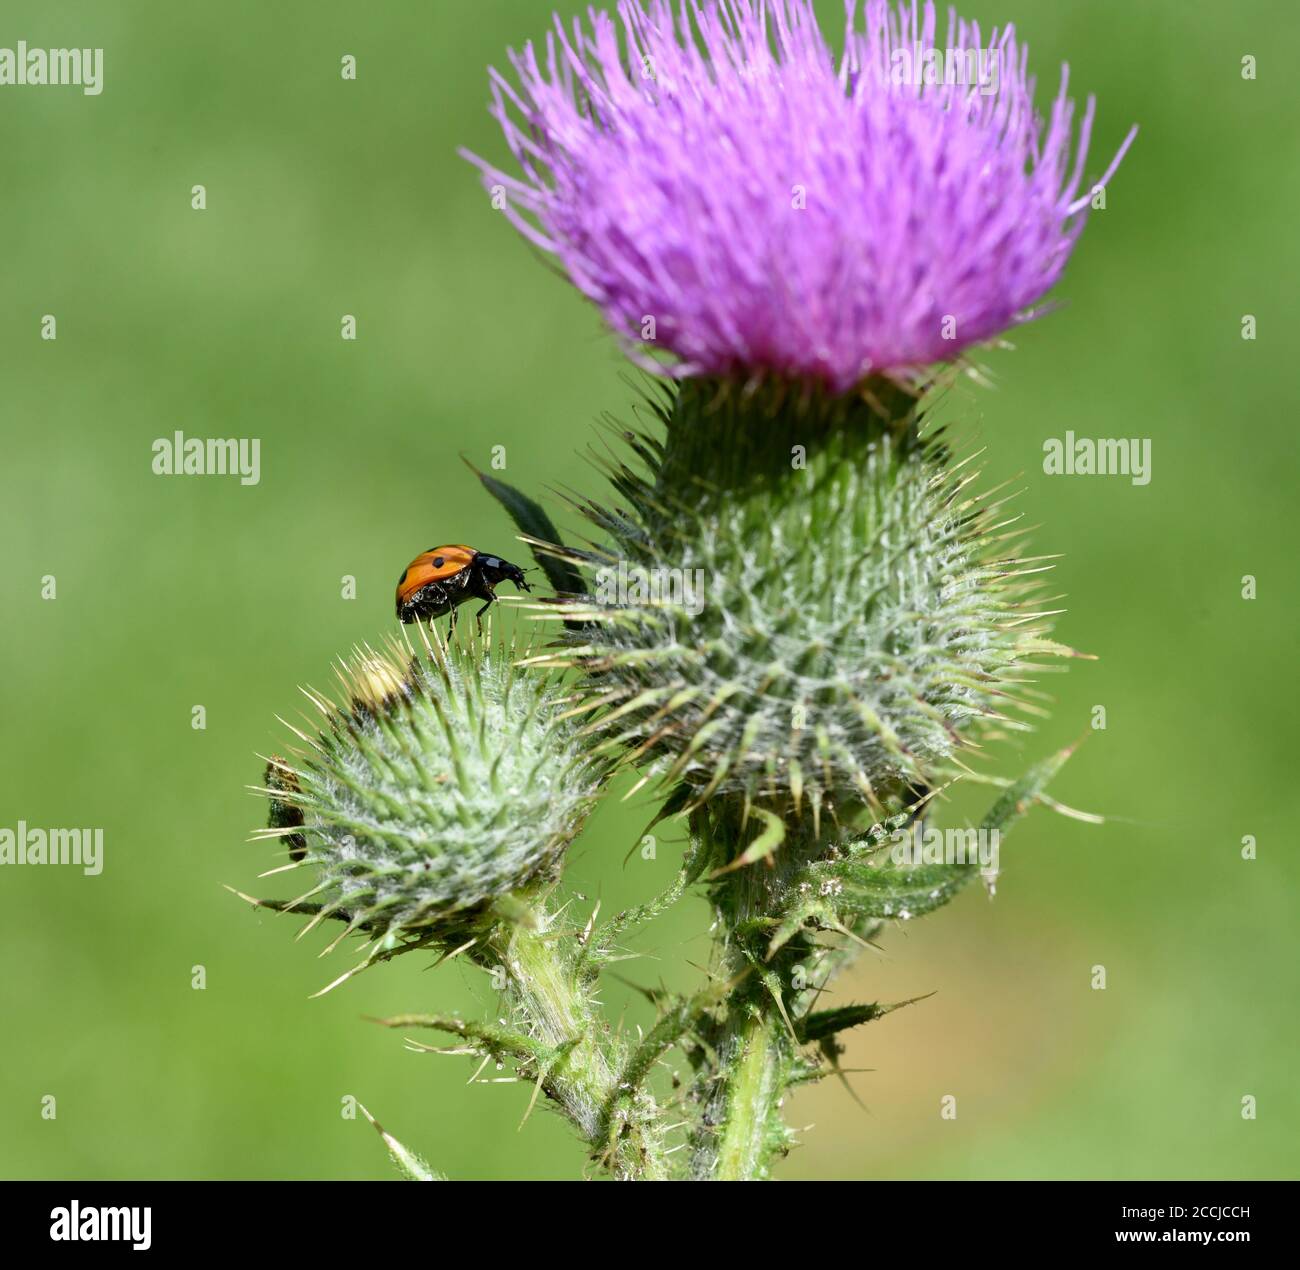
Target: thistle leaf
[1020,796]
[881,888]
[823,1024]
[411,1166]
[532,520]
[762,847]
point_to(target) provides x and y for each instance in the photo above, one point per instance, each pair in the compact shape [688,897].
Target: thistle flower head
[442,779]
[725,189]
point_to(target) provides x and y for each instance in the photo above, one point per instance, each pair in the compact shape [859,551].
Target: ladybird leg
[489,595]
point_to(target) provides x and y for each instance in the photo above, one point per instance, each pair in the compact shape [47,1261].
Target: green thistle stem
[741,1126]
[581,1069]
[753,1076]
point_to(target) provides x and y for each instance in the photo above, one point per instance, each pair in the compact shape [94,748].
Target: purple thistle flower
[708,165]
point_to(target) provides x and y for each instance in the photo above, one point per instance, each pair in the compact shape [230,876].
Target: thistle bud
[860,614]
[442,779]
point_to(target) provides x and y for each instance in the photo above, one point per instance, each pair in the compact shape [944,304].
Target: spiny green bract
[800,602]
[445,779]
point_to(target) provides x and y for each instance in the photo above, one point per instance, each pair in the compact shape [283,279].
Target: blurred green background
[328,197]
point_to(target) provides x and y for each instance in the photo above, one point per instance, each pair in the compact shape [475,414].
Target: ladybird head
[498,570]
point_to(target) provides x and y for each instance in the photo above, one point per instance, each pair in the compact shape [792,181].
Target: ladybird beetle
[439,579]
